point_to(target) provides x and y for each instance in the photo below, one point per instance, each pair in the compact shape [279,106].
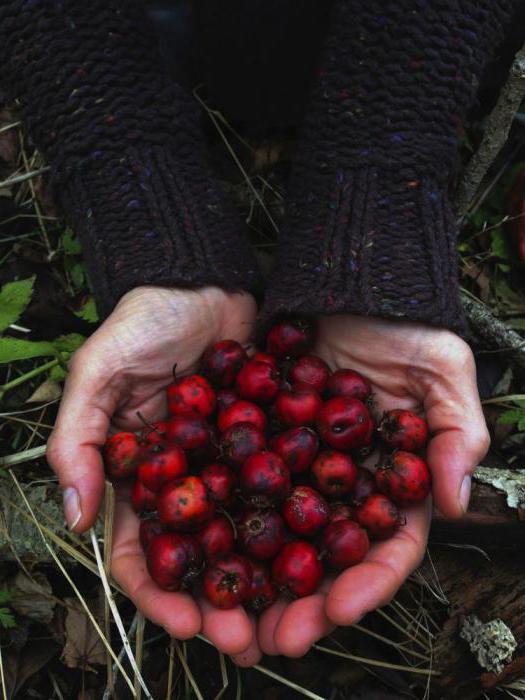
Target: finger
[268,622]
[176,612]
[302,624]
[229,630]
[460,439]
[374,582]
[252,655]
[73,450]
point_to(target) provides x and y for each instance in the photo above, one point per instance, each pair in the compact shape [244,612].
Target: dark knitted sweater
[369,228]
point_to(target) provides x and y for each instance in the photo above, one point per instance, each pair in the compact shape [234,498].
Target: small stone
[492,643]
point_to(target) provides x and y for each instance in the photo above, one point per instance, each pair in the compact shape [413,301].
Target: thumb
[460,441]
[73,450]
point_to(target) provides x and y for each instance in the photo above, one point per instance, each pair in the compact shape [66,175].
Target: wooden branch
[494,334]
[496,133]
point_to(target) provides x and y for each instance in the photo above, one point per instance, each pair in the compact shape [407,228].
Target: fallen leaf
[20,666]
[31,597]
[83,645]
[47,391]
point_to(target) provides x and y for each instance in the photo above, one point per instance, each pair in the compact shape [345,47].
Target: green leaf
[57,374]
[70,244]
[68,343]
[513,415]
[499,247]
[12,349]
[5,595]
[14,297]
[7,620]
[88,312]
[521,424]
[78,275]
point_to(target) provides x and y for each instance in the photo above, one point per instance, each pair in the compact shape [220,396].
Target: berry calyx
[305,511]
[297,569]
[227,581]
[261,533]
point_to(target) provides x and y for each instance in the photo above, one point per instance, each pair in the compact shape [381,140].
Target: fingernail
[71,507]
[464,493]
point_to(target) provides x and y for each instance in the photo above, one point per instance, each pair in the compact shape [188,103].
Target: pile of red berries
[252,487]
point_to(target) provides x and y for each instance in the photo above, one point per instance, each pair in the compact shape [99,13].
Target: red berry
[148,529]
[190,431]
[345,423]
[191,394]
[264,479]
[290,338]
[363,486]
[121,452]
[173,559]
[297,569]
[334,473]
[261,533]
[220,482]
[217,538]
[348,382]
[310,370]
[242,412]
[379,516]
[160,467]
[297,406]
[240,441]
[305,511]
[185,504]
[297,447]
[225,398]
[266,357]
[262,591]
[405,478]
[344,544]
[258,381]
[227,582]
[340,511]
[142,499]
[154,434]
[222,361]
[403,430]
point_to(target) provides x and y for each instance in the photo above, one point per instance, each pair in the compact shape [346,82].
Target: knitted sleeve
[370,229]
[127,159]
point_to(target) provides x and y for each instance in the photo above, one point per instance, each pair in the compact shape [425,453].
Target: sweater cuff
[144,217]
[369,242]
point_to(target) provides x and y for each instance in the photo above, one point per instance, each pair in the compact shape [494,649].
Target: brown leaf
[47,391]
[32,597]
[83,645]
[19,667]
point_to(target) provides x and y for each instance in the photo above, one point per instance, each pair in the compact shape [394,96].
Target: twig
[26,456]
[15,179]
[496,133]
[494,332]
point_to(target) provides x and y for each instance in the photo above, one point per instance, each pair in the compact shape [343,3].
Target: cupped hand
[410,366]
[123,369]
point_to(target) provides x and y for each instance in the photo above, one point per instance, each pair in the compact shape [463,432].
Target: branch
[496,133]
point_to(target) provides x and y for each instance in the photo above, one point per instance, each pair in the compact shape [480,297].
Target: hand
[122,369]
[410,366]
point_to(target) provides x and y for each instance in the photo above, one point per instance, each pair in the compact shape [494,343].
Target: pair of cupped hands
[124,368]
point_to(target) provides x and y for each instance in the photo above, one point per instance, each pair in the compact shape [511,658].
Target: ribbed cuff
[368,242]
[148,217]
